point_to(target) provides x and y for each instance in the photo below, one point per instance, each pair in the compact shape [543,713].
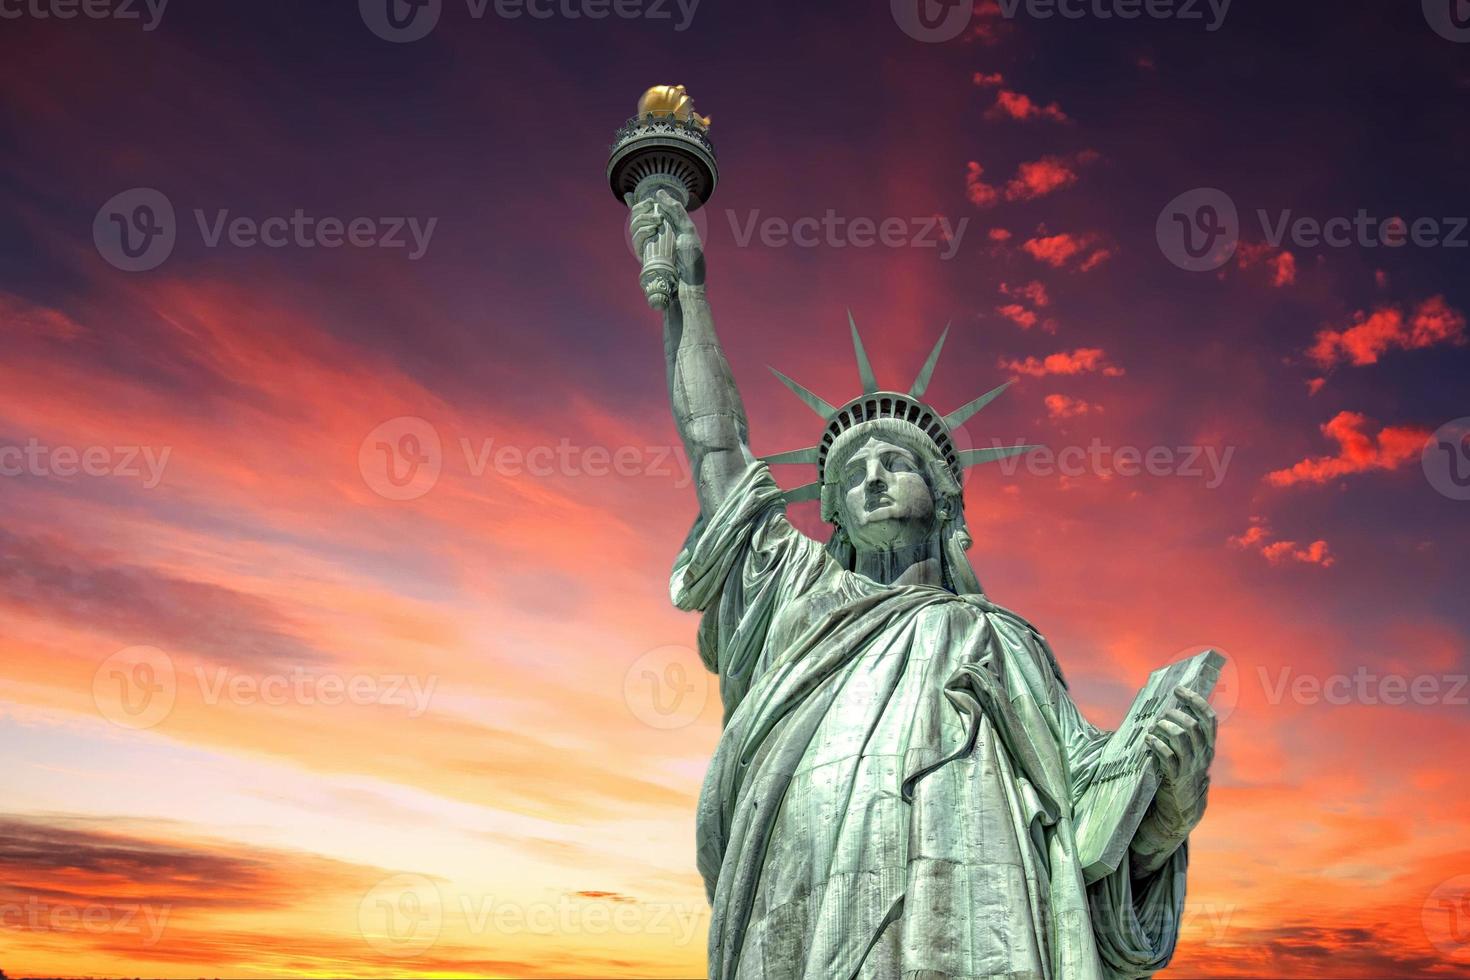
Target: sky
[340,489]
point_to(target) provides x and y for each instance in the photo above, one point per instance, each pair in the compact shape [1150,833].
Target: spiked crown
[874,404]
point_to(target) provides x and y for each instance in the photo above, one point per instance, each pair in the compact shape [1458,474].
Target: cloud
[981,194]
[1018,314]
[1388,328]
[1358,451]
[1034,179]
[1060,250]
[1083,360]
[1063,407]
[1033,291]
[990,80]
[1046,175]
[1258,538]
[1016,105]
[1280,263]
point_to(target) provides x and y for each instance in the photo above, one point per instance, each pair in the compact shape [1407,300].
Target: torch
[666,147]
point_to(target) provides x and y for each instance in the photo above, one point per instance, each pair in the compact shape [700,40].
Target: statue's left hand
[1183,744]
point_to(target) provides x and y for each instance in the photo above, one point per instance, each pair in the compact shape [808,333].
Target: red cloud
[1083,360]
[1035,179]
[999,235]
[988,81]
[1059,250]
[1433,322]
[1358,451]
[1018,314]
[1258,536]
[1020,106]
[1042,177]
[1062,407]
[1281,263]
[1033,291]
[981,194]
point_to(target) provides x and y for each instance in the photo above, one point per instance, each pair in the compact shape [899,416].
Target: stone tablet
[1120,793]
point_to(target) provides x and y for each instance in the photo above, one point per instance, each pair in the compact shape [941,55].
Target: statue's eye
[898,464]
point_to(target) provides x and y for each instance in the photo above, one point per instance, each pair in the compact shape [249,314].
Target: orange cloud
[1063,407]
[1388,328]
[1083,360]
[1358,451]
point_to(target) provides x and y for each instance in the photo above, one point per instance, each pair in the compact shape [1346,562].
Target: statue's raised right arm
[707,407]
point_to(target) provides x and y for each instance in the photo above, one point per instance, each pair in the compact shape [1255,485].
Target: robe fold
[893,793]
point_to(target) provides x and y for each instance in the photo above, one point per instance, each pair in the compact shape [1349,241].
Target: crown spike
[813,401]
[921,383]
[960,415]
[807,455]
[974,457]
[808,491]
[865,367]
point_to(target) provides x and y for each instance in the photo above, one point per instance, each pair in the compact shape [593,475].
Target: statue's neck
[916,564]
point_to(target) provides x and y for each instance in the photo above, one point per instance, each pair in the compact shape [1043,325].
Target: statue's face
[886,500]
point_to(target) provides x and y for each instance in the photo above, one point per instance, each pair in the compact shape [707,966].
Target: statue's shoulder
[1012,623]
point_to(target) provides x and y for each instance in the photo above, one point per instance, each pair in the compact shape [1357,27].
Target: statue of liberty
[895,791]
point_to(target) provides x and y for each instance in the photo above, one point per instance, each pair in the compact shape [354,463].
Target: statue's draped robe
[893,792]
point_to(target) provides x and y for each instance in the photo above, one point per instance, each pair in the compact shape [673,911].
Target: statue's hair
[949,499]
